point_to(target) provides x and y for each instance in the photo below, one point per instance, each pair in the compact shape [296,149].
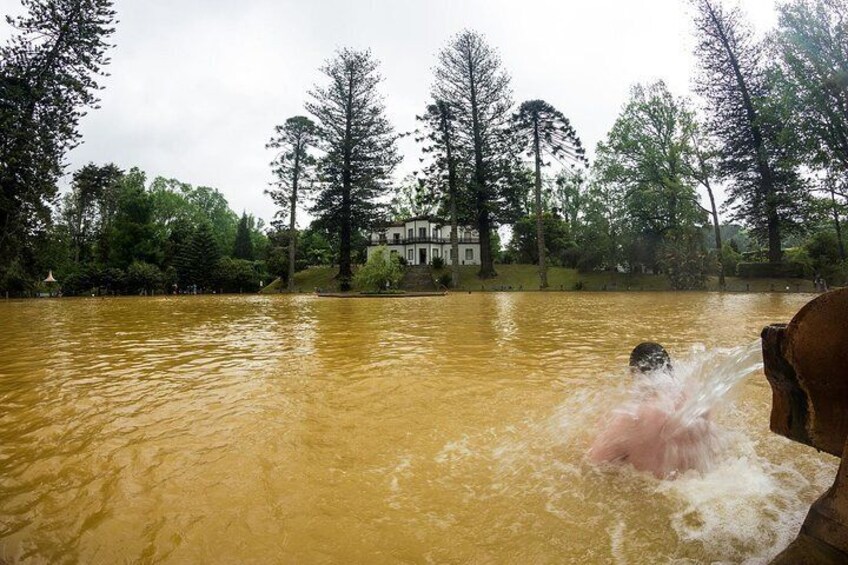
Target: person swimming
[646,431]
[649,356]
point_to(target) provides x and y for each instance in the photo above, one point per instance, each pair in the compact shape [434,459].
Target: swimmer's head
[648,357]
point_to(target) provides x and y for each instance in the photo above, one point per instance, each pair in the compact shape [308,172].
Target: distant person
[646,432]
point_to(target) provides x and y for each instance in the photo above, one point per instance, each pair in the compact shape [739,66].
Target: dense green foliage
[381,272]
[560,247]
[359,150]
[243,248]
[642,211]
[746,116]
[684,261]
[114,234]
[773,132]
[811,42]
[48,78]
[811,48]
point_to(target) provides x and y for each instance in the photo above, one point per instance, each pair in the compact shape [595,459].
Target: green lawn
[308,280]
[526,277]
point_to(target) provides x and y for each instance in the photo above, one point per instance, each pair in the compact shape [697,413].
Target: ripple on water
[312,430]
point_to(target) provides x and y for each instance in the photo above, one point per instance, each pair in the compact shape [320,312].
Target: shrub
[445,280]
[770,270]
[684,261]
[438,263]
[823,251]
[113,280]
[81,281]
[236,275]
[382,271]
[15,279]
[278,261]
[730,254]
[799,256]
[144,277]
[74,283]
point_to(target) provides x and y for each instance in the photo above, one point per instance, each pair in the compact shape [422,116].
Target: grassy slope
[308,280]
[526,277]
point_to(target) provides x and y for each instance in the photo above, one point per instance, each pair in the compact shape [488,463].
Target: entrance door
[422,256]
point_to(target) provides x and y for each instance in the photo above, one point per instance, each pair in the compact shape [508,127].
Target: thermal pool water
[297,429]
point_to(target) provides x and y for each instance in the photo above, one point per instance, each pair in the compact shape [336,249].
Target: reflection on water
[303,430]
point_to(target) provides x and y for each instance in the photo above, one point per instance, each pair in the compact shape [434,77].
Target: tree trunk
[78,237]
[705,180]
[837,224]
[454,237]
[487,264]
[540,228]
[721,281]
[345,269]
[775,253]
[292,212]
[452,193]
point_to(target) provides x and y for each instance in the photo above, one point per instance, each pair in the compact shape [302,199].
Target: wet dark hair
[649,356]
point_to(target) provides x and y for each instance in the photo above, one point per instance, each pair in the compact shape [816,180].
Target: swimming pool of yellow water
[298,429]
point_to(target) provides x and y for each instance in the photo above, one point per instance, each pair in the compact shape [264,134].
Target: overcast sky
[197,86]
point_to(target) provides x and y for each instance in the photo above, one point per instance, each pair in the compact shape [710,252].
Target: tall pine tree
[470,80]
[243,248]
[203,256]
[446,172]
[764,187]
[359,149]
[293,167]
[541,129]
[48,77]
[81,206]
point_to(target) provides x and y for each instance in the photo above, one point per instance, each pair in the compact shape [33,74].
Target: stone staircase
[417,278]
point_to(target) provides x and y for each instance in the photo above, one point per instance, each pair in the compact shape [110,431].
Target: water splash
[713,376]
[666,427]
[748,498]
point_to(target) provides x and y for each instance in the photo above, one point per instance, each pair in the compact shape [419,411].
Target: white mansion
[421,239]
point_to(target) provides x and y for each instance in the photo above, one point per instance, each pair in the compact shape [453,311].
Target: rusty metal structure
[806,364]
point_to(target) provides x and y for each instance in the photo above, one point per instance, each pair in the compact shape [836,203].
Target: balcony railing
[425,239]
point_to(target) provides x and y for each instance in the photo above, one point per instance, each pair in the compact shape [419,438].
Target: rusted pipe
[806,364]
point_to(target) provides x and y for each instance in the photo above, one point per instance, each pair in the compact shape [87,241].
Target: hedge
[786,270]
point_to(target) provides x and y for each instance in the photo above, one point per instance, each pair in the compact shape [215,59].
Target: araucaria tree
[48,77]
[293,167]
[470,80]
[445,171]
[359,149]
[763,185]
[541,129]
